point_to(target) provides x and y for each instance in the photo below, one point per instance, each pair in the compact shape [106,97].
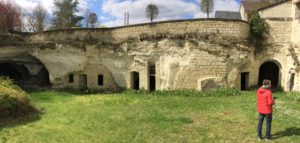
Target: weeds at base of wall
[294,96]
[278,89]
[82,92]
[256,87]
[179,92]
[189,92]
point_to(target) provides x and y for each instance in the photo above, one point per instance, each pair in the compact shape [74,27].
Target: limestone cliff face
[179,64]
[194,54]
[198,54]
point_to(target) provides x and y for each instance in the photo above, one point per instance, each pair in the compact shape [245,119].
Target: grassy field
[141,118]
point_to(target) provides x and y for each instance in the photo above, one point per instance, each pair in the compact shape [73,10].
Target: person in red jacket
[265,102]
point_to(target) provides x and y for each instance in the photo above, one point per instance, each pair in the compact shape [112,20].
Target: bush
[189,92]
[258,26]
[14,102]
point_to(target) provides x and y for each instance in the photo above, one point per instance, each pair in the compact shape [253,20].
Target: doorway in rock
[83,82]
[135,81]
[269,70]
[244,81]
[152,82]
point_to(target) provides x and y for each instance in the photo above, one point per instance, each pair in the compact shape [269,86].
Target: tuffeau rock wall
[187,54]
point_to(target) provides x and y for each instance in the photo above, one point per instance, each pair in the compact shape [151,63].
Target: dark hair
[266,82]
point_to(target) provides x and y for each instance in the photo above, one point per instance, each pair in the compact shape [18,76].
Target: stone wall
[187,54]
[278,43]
[180,64]
[282,10]
[190,54]
[201,66]
[238,29]
[280,31]
[243,13]
[198,54]
[275,49]
[296,23]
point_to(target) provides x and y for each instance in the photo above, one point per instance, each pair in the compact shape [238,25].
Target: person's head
[266,84]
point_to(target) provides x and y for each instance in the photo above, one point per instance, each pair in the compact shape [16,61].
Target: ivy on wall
[258,26]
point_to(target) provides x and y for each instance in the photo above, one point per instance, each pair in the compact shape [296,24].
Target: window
[152,70]
[71,78]
[100,80]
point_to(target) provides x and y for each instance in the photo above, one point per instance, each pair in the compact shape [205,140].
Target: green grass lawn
[141,118]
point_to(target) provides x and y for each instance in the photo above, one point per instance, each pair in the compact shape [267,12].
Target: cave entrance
[22,76]
[269,70]
[14,72]
[42,78]
[135,80]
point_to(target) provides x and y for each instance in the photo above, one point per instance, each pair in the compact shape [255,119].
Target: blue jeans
[261,118]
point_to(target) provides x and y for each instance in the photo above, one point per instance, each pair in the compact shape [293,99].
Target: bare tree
[207,6]
[10,16]
[152,11]
[37,19]
[86,18]
[92,19]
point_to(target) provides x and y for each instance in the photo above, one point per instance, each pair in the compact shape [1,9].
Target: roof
[272,5]
[249,6]
[258,5]
[228,15]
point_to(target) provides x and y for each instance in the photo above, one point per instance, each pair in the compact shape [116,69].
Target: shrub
[258,26]
[14,102]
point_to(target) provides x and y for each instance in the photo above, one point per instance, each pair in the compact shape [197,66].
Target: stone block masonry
[236,28]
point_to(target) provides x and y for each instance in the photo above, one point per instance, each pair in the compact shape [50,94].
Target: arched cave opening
[43,77]
[269,70]
[135,81]
[20,74]
[17,73]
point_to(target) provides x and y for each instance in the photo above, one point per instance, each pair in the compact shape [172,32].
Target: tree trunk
[207,9]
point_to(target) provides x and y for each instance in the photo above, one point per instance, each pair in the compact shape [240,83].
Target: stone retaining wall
[232,28]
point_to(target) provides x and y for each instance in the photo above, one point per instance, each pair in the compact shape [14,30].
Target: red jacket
[264,101]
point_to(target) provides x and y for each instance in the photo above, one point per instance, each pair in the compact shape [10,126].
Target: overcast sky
[111,12]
